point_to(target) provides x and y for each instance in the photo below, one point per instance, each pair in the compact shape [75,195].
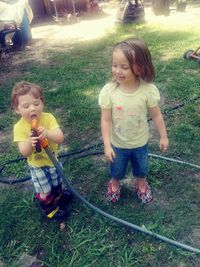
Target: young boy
[27,101]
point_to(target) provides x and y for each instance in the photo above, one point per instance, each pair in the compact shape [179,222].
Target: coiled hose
[91,206]
[111,217]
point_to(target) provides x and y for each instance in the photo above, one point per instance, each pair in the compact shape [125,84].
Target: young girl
[27,101]
[125,103]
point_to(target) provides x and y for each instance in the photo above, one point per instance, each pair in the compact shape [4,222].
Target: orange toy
[41,143]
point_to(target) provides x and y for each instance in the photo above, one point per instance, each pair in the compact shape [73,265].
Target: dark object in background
[181,5]
[23,36]
[26,29]
[192,54]
[130,11]
[10,37]
[15,29]
[13,37]
[161,7]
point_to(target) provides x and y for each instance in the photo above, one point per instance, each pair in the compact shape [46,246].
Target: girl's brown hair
[137,52]
[23,88]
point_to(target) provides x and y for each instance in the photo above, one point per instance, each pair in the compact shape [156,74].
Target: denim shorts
[44,178]
[138,158]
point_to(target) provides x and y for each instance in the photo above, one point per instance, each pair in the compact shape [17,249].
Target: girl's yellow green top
[129,113]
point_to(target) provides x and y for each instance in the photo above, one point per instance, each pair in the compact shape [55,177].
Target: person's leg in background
[26,30]
[23,35]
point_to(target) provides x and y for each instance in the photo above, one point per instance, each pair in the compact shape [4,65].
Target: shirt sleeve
[104,98]
[19,135]
[52,124]
[153,97]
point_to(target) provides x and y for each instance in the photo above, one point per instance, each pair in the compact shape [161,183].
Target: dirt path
[52,36]
[59,37]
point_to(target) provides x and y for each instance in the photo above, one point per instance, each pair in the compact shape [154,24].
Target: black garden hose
[94,208]
[91,206]
[83,155]
[111,217]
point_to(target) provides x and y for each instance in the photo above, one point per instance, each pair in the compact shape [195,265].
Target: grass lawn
[72,80]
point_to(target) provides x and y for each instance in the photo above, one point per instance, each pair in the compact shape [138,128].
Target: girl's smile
[122,71]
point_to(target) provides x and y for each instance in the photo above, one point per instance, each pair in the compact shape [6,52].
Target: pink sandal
[111,195]
[146,196]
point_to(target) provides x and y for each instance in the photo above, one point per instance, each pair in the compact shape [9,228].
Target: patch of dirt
[5,136]
[51,36]
[10,75]
[195,237]
[29,261]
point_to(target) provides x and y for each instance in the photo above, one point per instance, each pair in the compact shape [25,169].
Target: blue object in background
[25,30]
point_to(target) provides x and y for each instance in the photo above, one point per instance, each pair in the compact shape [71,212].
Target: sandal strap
[111,195]
[145,196]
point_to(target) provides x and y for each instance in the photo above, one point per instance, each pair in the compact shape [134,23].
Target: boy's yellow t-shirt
[129,113]
[22,131]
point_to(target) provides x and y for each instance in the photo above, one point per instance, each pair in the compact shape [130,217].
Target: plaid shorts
[44,178]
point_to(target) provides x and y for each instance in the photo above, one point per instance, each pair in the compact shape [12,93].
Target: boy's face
[29,107]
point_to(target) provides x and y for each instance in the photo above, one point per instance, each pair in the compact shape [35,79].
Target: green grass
[72,81]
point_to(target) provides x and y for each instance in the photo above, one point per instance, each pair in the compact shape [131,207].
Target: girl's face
[121,69]
[29,107]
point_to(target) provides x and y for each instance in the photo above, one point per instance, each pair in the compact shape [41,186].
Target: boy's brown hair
[23,88]
[137,52]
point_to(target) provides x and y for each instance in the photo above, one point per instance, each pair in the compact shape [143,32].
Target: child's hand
[33,140]
[109,153]
[164,143]
[42,133]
